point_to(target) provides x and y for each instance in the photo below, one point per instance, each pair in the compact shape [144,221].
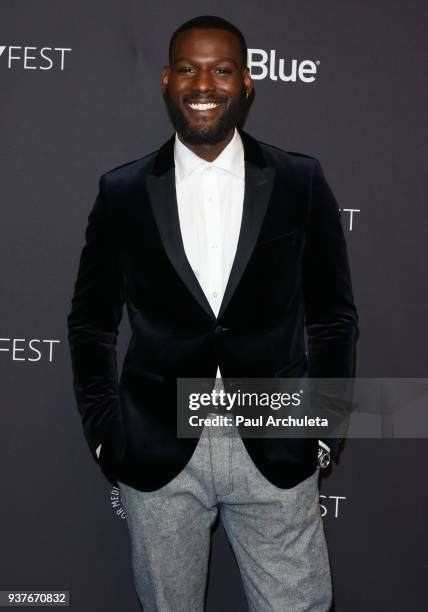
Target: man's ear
[248,81]
[166,71]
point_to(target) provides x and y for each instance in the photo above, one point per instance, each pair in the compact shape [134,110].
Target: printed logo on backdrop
[25,57]
[331,505]
[348,217]
[23,349]
[116,502]
[267,65]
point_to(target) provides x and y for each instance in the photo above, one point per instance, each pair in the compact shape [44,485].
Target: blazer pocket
[288,237]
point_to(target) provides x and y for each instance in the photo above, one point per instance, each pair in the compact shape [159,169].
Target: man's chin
[201,137]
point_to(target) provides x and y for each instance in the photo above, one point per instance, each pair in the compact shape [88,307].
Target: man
[224,250]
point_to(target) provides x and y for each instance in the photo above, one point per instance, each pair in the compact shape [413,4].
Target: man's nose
[203,81]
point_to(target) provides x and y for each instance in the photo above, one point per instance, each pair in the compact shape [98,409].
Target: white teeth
[203,106]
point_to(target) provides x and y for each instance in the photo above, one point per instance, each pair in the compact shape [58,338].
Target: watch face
[325,462]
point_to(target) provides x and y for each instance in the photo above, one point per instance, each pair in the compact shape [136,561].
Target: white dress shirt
[210,197]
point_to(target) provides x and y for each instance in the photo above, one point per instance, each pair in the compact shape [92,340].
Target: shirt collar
[231,159]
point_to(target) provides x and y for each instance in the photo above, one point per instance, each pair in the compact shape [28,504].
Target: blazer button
[219,330]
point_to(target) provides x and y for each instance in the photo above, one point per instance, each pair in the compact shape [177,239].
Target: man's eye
[185,69]
[223,70]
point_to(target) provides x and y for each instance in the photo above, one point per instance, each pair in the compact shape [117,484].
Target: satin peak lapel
[258,188]
[163,200]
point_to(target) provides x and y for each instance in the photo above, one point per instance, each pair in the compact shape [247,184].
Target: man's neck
[209,152]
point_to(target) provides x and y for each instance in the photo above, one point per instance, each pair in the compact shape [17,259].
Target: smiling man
[225,250]
[205,117]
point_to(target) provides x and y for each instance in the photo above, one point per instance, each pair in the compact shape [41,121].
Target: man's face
[205,86]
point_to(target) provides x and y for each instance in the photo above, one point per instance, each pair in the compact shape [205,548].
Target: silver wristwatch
[324,457]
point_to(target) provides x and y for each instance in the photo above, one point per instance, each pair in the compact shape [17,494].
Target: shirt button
[213,246]
[210,199]
[215,294]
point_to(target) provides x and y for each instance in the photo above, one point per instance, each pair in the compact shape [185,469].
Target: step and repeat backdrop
[80,94]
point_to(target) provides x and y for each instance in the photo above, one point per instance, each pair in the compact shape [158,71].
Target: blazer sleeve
[93,322]
[331,318]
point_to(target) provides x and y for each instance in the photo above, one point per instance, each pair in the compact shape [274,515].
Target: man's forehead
[206,42]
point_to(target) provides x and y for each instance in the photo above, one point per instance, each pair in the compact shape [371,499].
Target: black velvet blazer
[290,274]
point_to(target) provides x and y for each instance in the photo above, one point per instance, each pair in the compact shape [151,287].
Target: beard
[231,117]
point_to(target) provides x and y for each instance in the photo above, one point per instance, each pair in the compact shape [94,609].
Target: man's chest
[210,207]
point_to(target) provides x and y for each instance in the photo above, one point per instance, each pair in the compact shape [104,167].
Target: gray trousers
[276,534]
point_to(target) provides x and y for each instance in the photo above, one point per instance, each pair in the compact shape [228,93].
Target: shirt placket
[214,240]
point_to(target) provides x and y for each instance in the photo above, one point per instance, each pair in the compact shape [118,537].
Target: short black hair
[214,23]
